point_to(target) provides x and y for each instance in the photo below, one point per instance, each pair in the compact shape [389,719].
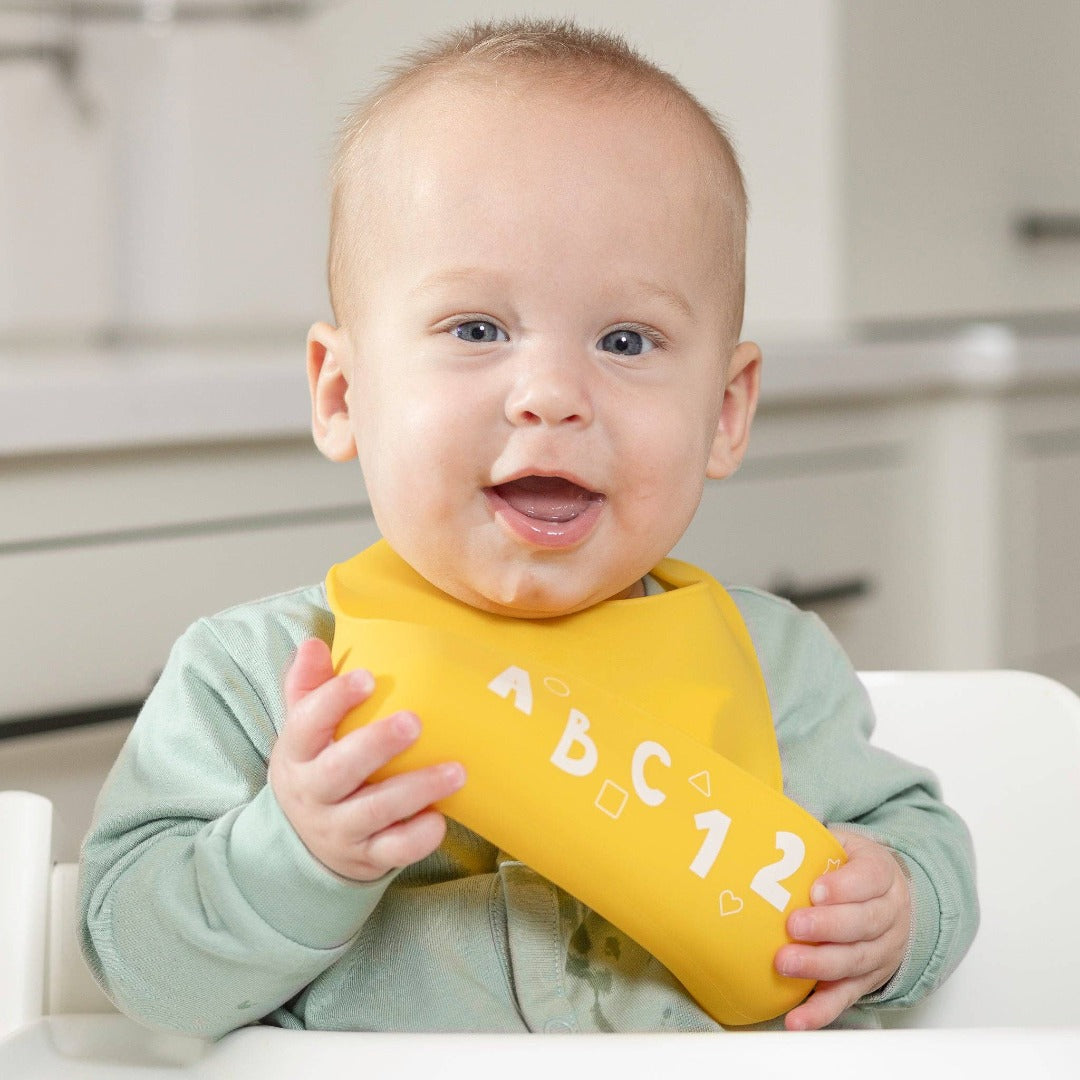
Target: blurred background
[914,281]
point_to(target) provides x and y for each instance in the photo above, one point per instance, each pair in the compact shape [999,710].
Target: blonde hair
[580,60]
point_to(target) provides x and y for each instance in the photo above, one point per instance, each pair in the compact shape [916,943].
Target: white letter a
[517,680]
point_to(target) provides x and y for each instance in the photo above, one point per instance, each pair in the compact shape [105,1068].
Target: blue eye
[626,342]
[478,330]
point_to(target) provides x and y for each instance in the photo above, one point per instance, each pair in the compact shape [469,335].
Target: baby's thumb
[317,701]
[310,668]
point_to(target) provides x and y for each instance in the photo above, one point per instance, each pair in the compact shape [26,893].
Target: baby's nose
[549,393]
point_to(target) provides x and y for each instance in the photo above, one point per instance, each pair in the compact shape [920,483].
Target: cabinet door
[824,516]
[105,559]
[962,165]
[1043,521]
[93,624]
[58,269]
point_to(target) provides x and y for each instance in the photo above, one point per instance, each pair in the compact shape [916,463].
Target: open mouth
[547,498]
[552,511]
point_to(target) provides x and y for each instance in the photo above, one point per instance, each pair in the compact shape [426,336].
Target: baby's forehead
[479,91]
[547,104]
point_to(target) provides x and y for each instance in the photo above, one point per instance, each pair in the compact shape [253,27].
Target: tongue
[547,498]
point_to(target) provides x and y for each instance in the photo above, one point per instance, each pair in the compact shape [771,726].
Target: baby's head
[536,270]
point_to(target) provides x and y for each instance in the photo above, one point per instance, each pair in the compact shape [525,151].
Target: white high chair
[1006,746]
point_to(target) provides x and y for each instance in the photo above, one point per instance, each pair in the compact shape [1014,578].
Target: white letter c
[650,796]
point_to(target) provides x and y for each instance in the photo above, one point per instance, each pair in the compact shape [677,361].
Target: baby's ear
[736,412]
[327,352]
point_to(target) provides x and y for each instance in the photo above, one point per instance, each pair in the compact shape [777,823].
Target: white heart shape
[730,904]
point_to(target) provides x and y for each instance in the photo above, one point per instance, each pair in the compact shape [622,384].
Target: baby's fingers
[313,718]
[824,1005]
[856,882]
[842,922]
[310,668]
[398,799]
[832,963]
[406,830]
[405,843]
[346,764]
[871,871]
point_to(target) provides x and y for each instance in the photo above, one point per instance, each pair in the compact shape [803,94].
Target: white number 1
[717,823]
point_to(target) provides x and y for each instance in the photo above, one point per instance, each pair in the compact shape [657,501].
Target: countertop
[57,400]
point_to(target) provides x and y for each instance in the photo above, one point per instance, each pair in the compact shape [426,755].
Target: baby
[536,271]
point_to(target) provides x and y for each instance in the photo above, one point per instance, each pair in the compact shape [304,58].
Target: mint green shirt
[203,910]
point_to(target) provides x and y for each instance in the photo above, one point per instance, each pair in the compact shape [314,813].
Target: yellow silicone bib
[627,753]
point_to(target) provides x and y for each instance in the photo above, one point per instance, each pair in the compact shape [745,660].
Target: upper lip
[562,474]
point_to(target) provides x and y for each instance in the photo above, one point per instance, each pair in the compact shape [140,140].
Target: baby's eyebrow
[667,295]
[635,289]
[456,275]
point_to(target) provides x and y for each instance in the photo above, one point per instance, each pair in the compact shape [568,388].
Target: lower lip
[546,534]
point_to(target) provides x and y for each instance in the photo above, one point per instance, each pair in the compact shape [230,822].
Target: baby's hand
[359,830]
[860,923]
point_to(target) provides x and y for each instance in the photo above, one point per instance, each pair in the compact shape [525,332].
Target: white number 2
[767,880]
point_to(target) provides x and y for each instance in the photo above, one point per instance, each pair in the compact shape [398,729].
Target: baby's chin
[537,597]
[498,577]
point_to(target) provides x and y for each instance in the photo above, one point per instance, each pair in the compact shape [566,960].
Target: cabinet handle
[1039,226]
[42,723]
[822,592]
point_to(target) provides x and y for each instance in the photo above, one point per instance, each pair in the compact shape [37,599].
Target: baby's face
[536,366]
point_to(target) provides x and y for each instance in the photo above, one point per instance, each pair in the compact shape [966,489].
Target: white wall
[959,116]
[174,185]
[56,254]
[217,188]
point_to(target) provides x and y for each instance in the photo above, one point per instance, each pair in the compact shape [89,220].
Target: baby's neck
[635,591]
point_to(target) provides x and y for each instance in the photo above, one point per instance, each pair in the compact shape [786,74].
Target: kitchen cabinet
[904,161]
[106,557]
[1042,519]
[57,256]
[923,498]
[825,512]
[932,523]
[162,179]
[960,161]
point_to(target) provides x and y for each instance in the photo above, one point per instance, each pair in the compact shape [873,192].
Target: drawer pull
[43,723]
[822,592]
[1037,227]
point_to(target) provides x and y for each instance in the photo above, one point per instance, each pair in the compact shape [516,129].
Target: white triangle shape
[702,782]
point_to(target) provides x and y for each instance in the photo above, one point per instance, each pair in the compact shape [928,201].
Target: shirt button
[558,1027]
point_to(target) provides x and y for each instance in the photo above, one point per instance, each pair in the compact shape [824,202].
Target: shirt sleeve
[202,910]
[824,721]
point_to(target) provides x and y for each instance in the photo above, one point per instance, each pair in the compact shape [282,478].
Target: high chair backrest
[25,841]
[69,986]
[1006,746]
[41,968]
